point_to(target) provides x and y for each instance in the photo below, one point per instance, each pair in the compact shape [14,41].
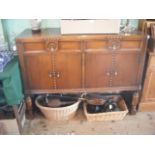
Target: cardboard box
[90,26]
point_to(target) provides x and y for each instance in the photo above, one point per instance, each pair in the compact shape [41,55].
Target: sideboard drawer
[69,45]
[131,44]
[33,46]
[89,45]
[97,44]
[61,45]
[112,44]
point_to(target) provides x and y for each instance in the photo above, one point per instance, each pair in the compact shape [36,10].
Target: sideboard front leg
[29,108]
[134,103]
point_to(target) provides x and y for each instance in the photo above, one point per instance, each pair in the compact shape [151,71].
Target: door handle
[51,74]
[108,73]
[114,43]
[115,73]
[54,74]
[57,74]
[51,45]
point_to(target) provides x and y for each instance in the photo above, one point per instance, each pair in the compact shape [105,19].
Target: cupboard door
[68,69]
[126,69]
[149,85]
[97,69]
[38,69]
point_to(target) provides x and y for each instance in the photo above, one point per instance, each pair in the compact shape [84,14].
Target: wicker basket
[58,114]
[107,116]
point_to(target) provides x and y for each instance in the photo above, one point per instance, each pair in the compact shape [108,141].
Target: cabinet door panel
[149,86]
[97,69]
[126,69]
[149,83]
[68,64]
[38,67]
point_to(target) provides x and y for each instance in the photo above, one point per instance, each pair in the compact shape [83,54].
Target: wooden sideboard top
[27,35]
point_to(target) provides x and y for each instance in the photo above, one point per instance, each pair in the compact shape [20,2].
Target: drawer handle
[52,49]
[57,74]
[114,44]
[108,73]
[51,45]
[54,74]
[115,73]
[51,75]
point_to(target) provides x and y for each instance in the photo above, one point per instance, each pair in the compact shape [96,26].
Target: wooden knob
[114,43]
[58,75]
[50,75]
[114,47]
[51,45]
[108,73]
[115,73]
[52,49]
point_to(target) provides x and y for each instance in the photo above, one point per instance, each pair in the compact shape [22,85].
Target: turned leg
[134,103]
[29,108]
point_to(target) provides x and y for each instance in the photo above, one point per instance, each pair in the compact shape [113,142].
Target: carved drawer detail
[51,45]
[114,43]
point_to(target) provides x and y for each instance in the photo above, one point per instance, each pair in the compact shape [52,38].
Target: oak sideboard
[107,63]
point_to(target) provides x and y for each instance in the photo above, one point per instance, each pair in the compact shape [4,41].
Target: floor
[140,124]
[8,127]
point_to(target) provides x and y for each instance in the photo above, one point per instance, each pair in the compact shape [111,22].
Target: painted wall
[1,30]
[16,26]
[133,22]
[12,27]
[3,43]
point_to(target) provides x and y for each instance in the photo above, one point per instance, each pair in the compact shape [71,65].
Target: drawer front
[131,44]
[34,46]
[112,44]
[53,45]
[69,45]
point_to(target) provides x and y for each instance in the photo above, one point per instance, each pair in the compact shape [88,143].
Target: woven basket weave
[107,116]
[58,114]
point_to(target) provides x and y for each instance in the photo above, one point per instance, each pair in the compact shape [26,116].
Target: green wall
[16,26]
[12,27]
[133,22]
[1,30]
